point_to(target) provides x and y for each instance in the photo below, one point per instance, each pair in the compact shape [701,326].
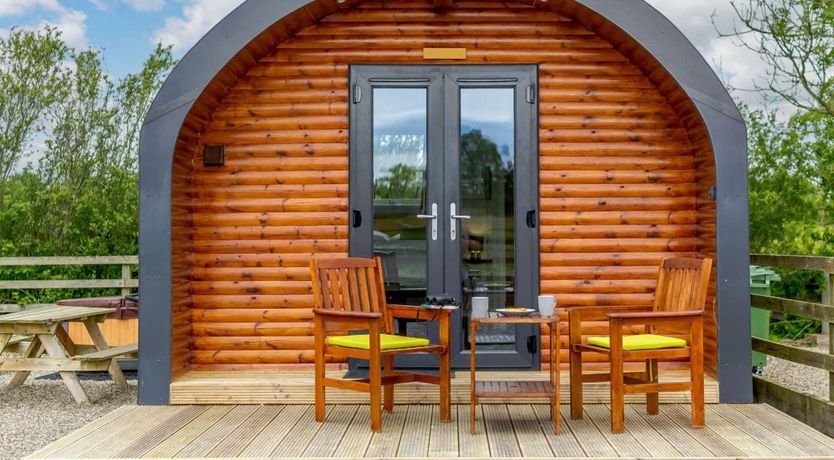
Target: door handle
[357,218]
[453,221]
[433,218]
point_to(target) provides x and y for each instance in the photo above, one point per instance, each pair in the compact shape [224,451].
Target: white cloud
[71,23]
[196,18]
[20,7]
[738,67]
[145,6]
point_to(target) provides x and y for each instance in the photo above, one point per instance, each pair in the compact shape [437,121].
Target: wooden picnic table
[52,349]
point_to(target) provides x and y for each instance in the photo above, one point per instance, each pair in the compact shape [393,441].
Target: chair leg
[376,390]
[319,382]
[652,399]
[617,393]
[575,385]
[473,406]
[388,390]
[445,386]
[697,373]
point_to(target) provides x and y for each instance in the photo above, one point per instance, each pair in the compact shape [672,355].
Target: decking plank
[137,431]
[105,432]
[300,436]
[264,443]
[676,435]
[416,432]
[528,431]
[472,446]
[386,443]
[564,444]
[707,436]
[184,436]
[83,431]
[159,433]
[814,442]
[330,435]
[358,435]
[232,445]
[590,438]
[500,434]
[221,430]
[753,433]
[624,444]
[644,432]
[443,442]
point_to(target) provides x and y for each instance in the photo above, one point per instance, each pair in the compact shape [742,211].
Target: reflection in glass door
[400,137]
[487,158]
[443,188]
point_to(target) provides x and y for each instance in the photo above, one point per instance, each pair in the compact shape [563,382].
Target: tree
[31,81]
[796,39]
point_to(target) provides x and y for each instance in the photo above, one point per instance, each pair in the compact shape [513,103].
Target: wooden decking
[413,431]
[296,387]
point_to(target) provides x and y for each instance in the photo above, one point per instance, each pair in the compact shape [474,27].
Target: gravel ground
[797,376]
[42,411]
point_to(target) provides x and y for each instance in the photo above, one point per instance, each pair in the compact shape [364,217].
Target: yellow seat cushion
[386,342]
[641,342]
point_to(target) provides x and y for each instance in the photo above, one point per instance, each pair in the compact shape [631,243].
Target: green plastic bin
[760,281]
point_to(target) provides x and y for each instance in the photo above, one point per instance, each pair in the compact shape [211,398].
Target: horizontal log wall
[620,185]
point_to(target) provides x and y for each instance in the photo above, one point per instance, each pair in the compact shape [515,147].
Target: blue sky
[126,30]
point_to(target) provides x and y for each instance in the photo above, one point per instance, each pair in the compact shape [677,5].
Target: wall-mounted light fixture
[214,155]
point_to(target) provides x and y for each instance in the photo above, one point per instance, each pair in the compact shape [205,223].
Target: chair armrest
[417,313]
[601,313]
[656,317]
[344,321]
[345,314]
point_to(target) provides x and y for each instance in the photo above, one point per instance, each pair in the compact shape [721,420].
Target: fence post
[127,275]
[830,288]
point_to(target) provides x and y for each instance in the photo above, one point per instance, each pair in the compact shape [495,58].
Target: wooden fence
[810,409]
[126,283]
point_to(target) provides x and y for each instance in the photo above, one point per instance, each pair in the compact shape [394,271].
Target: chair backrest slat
[352,284]
[682,284]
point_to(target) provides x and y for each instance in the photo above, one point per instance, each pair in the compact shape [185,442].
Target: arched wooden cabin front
[586,139]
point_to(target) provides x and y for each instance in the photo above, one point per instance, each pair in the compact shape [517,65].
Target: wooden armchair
[349,296]
[678,304]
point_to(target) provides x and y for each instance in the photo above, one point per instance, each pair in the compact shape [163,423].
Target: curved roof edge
[636,18]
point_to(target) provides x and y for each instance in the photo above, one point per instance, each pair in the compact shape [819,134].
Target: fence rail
[126,283]
[810,409]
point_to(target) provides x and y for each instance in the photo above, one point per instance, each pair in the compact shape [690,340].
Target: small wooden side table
[517,388]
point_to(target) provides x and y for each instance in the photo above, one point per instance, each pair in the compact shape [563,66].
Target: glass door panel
[487,158]
[400,144]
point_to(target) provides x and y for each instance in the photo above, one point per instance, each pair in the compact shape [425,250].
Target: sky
[126,30]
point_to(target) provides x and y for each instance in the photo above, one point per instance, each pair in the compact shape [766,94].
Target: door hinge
[531,94]
[533,343]
[357,94]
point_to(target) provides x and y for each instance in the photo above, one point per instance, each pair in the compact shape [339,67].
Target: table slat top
[516,320]
[53,314]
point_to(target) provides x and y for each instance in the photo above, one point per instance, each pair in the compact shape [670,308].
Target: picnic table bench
[50,348]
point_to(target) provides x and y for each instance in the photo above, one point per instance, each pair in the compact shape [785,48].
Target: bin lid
[762,275]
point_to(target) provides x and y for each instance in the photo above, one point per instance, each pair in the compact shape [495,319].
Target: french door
[444,189]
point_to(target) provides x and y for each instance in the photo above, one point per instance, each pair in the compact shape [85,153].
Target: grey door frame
[443,84]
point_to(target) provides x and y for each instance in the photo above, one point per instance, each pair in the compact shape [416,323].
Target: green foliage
[78,194]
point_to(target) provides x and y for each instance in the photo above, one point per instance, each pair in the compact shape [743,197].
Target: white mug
[547,303]
[480,307]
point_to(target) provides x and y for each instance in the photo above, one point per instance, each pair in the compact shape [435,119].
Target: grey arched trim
[634,17]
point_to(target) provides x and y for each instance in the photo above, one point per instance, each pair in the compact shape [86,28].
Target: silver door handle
[433,218]
[453,218]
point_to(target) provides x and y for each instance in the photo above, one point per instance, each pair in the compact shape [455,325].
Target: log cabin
[481,148]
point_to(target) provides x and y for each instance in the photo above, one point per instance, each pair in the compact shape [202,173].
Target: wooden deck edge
[251,388]
[808,409]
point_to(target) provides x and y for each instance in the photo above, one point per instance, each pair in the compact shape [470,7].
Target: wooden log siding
[626,168]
